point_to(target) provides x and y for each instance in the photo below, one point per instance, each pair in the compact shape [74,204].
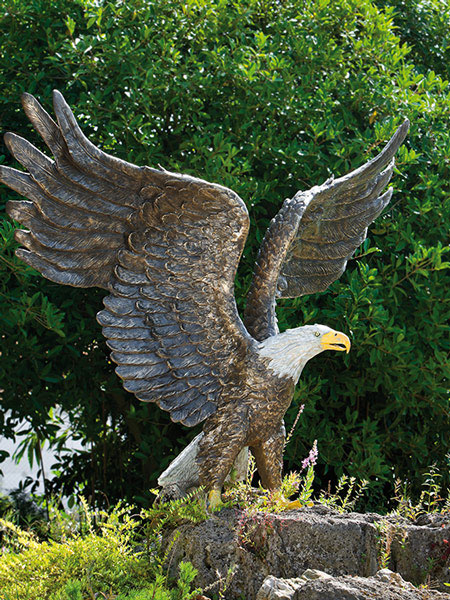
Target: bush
[106,555]
[423,25]
[266,98]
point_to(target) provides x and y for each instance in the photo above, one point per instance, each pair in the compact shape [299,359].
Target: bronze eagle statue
[166,247]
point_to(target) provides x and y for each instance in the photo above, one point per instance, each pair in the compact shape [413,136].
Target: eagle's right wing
[166,246]
[309,242]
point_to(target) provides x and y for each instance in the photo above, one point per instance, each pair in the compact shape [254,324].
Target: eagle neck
[284,356]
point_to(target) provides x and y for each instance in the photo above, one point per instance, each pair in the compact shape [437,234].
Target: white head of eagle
[288,352]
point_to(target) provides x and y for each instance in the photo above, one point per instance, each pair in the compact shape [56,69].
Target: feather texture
[165,246]
[309,242]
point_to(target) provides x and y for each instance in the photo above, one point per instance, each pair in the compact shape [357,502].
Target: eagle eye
[317,333]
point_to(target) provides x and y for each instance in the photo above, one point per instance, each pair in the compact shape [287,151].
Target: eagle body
[166,248]
[252,417]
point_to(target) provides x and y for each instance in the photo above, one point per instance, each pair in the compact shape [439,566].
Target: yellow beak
[335,340]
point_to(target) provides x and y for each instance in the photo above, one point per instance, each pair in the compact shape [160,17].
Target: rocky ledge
[236,551]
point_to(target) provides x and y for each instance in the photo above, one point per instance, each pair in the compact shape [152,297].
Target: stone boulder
[237,550]
[316,585]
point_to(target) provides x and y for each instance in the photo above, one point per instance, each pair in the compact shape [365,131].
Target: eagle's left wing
[309,242]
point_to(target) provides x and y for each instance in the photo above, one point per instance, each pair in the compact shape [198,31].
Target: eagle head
[288,352]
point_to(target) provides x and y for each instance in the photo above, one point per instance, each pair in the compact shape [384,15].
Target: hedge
[267,98]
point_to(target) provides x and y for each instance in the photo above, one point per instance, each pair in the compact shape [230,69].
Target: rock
[389,576]
[238,550]
[421,553]
[283,545]
[385,585]
[311,574]
[274,588]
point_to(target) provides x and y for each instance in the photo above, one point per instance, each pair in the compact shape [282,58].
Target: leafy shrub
[110,558]
[266,98]
[423,25]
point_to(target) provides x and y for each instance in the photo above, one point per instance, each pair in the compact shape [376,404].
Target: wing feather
[309,242]
[165,246]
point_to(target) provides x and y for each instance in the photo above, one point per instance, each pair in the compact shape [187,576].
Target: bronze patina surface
[166,247]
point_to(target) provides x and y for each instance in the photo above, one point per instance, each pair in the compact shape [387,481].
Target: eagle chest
[267,407]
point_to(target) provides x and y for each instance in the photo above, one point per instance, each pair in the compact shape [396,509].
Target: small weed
[432,499]
[222,584]
[347,494]
[246,497]
[439,560]
[252,532]
[386,532]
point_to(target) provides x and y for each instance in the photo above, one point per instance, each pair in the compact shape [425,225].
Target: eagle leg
[269,462]
[218,450]
[269,459]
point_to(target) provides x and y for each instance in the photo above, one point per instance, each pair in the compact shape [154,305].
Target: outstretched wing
[166,246]
[309,242]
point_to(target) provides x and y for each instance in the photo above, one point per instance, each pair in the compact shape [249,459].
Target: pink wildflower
[311,459]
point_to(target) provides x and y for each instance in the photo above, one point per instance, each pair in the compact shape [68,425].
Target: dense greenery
[114,555]
[423,25]
[265,97]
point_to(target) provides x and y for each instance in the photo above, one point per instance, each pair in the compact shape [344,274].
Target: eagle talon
[291,504]
[214,500]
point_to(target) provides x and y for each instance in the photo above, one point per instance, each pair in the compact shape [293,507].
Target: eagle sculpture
[166,248]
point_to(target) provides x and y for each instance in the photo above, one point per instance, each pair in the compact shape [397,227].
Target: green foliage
[266,98]
[114,555]
[259,500]
[347,495]
[433,498]
[423,25]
